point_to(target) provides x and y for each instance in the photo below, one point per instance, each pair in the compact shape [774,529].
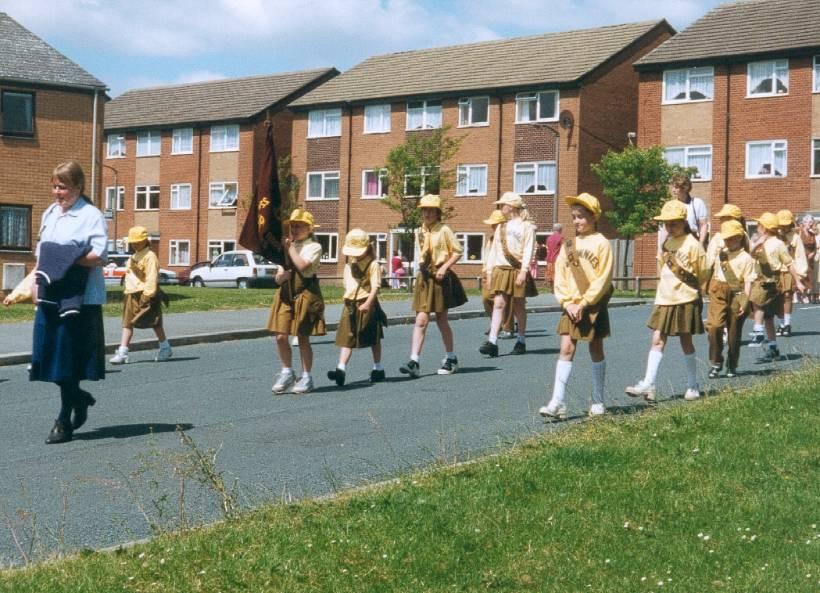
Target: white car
[114,271]
[240,269]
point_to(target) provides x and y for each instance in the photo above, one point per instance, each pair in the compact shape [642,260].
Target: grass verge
[718,495]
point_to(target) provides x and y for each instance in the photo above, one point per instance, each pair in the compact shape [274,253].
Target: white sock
[691,370]
[414,357]
[123,349]
[787,318]
[772,343]
[521,339]
[165,344]
[598,376]
[758,328]
[493,338]
[653,361]
[563,368]
[287,370]
[341,366]
[377,366]
[305,374]
[451,355]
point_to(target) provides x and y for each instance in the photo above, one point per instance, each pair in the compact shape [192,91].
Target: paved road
[295,446]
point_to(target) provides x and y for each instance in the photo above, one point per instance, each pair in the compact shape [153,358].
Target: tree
[289,186]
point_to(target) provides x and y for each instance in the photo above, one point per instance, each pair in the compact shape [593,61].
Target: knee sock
[691,371]
[563,368]
[653,361]
[377,366]
[787,319]
[759,328]
[598,376]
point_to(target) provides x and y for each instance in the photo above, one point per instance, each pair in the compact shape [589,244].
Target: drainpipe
[557,169]
[500,138]
[94,149]
[349,165]
[726,146]
[198,194]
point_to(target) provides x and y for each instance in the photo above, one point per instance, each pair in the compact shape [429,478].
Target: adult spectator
[553,249]
[696,214]
[396,264]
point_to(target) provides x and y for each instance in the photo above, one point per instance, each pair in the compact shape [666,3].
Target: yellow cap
[785,217]
[356,243]
[137,234]
[510,198]
[587,201]
[769,221]
[430,201]
[730,211]
[300,215]
[731,228]
[672,210]
[496,218]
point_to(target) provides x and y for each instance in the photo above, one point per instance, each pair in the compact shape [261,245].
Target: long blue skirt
[68,348]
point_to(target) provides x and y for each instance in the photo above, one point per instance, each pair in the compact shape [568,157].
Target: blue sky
[137,43]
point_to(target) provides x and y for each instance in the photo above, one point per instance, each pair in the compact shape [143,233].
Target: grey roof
[743,28]
[552,58]
[218,100]
[26,58]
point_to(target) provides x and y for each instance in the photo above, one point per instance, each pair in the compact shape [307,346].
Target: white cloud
[199,76]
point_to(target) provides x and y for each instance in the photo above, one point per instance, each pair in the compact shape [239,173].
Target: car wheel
[242,283]
[197,282]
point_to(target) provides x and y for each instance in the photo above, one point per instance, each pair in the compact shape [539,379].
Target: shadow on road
[126,431]
[174,359]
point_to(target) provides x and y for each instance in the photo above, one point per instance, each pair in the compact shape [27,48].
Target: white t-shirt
[695,212]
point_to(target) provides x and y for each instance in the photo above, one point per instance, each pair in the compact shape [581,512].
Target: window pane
[546,178]
[525,108]
[332,187]
[675,81]
[315,123]
[779,160]
[18,113]
[433,115]
[481,110]
[675,156]
[703,164]
[415,116]
[546,105]
[461,187]
[760,77]
[333,122]
[701,87]
[377,118]
[782,76]
[464,113]
[315,185]
[816,160]
[525,179]
[14,227]
[817,73]
[759,160]
[474,247]
[477,180]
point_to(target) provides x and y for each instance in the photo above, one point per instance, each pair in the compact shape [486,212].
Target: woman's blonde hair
[70,173]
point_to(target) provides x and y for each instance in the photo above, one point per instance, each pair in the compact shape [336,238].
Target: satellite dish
[566,120]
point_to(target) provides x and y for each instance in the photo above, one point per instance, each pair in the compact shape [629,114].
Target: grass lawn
[717,495]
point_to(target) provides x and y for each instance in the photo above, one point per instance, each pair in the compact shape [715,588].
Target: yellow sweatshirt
[740,262]
[691,257]
[142,273]
[352,290]
[440,241]
[798,252]
[776,254]
[594,254]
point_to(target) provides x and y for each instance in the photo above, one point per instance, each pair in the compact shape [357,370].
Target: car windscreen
[261,261]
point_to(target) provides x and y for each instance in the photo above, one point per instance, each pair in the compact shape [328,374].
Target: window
[179,253]
[424,182]
[689,84]
[530,107]
[816,85]
[473,111]
[222,194]
[181,196]
[377,118]
[473,247]
[330,246]
[535,178]
[699,157]
[379,241]
[115,198]
[815,151]
[116,146]
[323,185]
[148,143]
[146,197]
[15,227]
[766,159]
[218,247]
[472,180]
[423,115]
[224,138]
[767,79]
[17,111]
[541,239]
[182,141]
[324,122]
[374,183]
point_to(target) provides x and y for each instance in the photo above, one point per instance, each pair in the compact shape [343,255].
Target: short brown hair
[681,179]
[70,173]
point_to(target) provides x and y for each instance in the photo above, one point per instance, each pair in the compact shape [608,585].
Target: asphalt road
[84,493]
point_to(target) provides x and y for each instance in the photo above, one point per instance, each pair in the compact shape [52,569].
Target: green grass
[718,495]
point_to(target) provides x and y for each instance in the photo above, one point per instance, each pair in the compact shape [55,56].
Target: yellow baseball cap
[730,211]
[430,201]
[510,198]
[769,221]
[300,215]
[137,234]
[356,243]
[731,228]
[672,210]
[496,218]
[785,217]
[587,201]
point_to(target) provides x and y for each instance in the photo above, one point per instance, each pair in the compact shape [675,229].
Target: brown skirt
[785,283]
[431,296]
[594,324]
[304,317]
[357,329]
[136,314]
[674,320]
[504,282]
[766,296]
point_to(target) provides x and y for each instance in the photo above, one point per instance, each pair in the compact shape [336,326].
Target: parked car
[241,268]
[184,276]
[114,271]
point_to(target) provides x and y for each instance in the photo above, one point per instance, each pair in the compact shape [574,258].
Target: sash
[581,280]
[514,261]
[732,280]
[679,271]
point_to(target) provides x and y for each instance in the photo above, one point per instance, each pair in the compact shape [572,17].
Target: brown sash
[680,273]
[581,280]
[514,261]
[732,280]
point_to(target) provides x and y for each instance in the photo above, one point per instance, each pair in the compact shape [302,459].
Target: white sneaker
[164,353]
[120,356]
[691,394]
[642,389]
[304,385]
[554,410]
[597,410]
[284,381]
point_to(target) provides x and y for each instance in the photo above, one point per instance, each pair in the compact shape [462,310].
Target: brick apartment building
[180,160]
[737,95]
[47,115]
[537,111]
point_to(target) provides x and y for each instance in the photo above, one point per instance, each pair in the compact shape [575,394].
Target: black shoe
[519,348]
[731,373]
[60,433]
[84,401]
[715,371]
[410,368]
[770,355]
[377,376]
[785,331]
[489,349]
[337,375]
[448,366]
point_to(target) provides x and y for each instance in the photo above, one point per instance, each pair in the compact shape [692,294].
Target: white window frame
[375,238]
[535,164]
[154,138]
[465,105]
[422,186]
[425,115]
[382,176]
[147,191]
[333,247]
[463,239]
[687,152]
[773,144]
[220,244]
[536,96]
[464,170]
[690,72]
[120,199]
[220,186]
[816,74]
[173,252]
[815,148]
[325,175]
[384,115]
[223,132]
[773,93]
[175,187]
[120,143]
[177,139]
[325,131]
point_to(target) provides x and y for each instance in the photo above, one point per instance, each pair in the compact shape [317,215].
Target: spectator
[553,249]
[696,214]
[396,264]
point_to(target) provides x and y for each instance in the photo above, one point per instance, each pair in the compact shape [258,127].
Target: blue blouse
[84,226]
